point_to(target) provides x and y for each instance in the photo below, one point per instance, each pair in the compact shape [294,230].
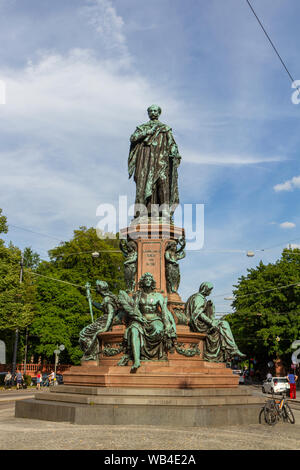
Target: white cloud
[109,25]
[287,225]
[72,115]
[72,93]
[289,185]
[229,159]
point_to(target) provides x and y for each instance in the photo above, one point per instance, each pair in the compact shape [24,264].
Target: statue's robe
[154,160]
[88,336]
[154,342]
[219,344]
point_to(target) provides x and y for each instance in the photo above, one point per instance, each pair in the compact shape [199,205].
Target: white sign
[295,359]
[2,352]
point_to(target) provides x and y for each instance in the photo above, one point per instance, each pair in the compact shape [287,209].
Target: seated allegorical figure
[151,329]
[220,345]
[88,340]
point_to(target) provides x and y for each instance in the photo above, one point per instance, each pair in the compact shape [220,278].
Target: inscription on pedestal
[151,261]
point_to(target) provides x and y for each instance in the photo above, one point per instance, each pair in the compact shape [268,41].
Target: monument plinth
[152,240]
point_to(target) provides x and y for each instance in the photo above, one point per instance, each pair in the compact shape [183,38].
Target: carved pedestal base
[183,367]
[189,345]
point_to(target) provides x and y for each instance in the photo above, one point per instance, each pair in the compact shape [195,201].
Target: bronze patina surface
[153,160]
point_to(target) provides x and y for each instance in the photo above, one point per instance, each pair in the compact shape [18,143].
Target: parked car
[275,385]
[236,371]
[60,379]
[240,374]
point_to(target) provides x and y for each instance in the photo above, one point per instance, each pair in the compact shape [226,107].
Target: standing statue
[154,159]
[129,249]
[88,336]
[219,343]
[172,256]
[151,329]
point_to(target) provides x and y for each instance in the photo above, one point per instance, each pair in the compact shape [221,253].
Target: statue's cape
[193,304]
[149,160]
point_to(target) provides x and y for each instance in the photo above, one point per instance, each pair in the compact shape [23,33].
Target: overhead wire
[202,250]
[36,233]
[54,279]
[119,251]
[262,291]
[271,42]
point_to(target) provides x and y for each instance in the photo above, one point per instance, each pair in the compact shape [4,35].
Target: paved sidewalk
[20,433]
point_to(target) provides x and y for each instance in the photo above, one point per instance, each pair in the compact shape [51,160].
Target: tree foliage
[17,299]
[267,312]
[31,259]
[62,307]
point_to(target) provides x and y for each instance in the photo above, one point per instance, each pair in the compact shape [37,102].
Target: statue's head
[147,280]
[172,245]
[102,287]
[131,246]
[154,111]
[206,288]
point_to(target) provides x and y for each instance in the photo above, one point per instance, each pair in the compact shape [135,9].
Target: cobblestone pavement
[19,434]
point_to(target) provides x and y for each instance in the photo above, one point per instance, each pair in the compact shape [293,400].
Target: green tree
[62,307]
[17,300]
[3,225]
[31,258]
[266,320]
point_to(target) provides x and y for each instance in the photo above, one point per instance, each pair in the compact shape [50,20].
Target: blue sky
[79,76]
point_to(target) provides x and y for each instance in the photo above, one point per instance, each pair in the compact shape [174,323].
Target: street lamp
[14,361]
[95,254]
[250,254]
[57,352]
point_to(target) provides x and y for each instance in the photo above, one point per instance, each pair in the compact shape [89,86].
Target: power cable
[262,291]
[271,42]
[36,233]
[280,244]
[57,280]
[200,251]
[257,313]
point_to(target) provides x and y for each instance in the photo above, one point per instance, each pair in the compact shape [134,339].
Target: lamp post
[14,362]
[57,352]
[26,348]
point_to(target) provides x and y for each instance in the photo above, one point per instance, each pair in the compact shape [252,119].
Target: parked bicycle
[275,410]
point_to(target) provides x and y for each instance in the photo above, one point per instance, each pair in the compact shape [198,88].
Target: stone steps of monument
[147,400]
[152,380]
[202,367]
[148,414]
[162,392]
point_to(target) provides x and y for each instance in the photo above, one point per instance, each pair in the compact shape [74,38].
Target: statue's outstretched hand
[215,325]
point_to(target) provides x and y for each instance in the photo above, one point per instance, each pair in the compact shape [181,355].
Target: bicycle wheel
[289,414]
[261,414]
[270,413]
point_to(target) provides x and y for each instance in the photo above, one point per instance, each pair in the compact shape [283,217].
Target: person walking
[19,379]
[292,379]
[38,380]
[7,380]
